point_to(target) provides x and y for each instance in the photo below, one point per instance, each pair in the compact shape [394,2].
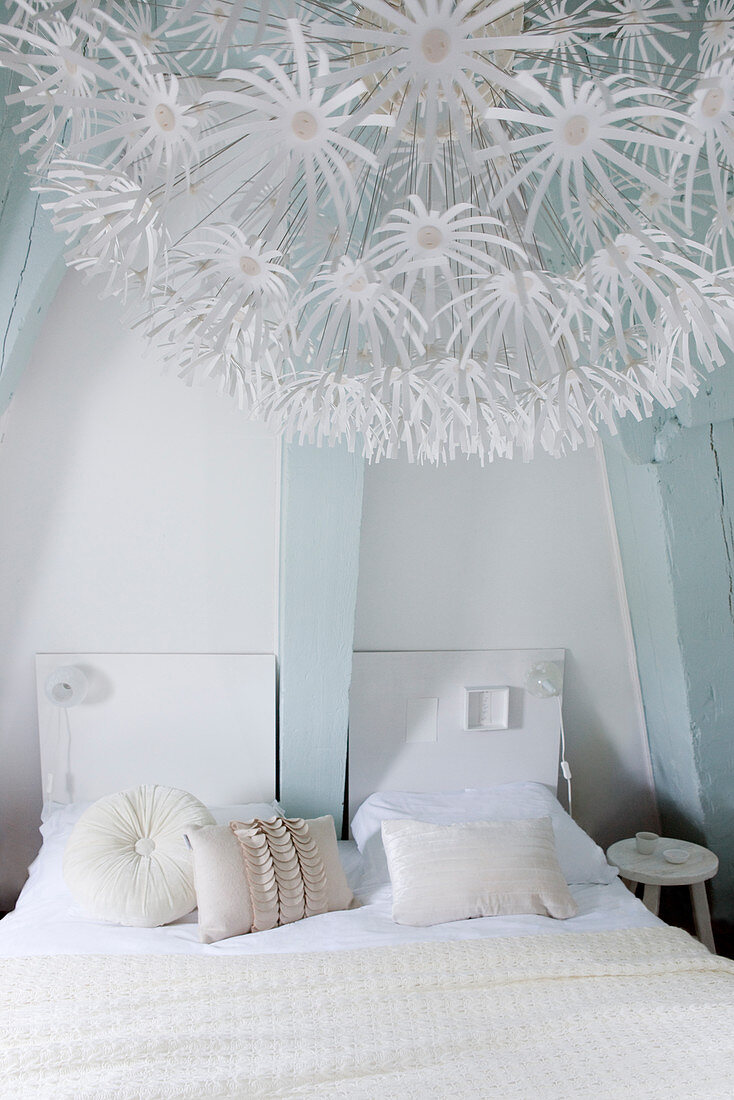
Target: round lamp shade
[67,686]
[544,680]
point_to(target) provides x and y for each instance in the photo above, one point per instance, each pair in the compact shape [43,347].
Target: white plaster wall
[135,515]
[511,556]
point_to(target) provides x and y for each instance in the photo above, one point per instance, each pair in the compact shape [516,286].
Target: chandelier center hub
[436,45]
[429,236]
[249,265]
[576,130]
[713,101]
[165,117]
[304,125]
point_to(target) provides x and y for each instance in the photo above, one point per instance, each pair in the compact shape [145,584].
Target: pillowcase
[580,858]
[443,873]
[223,893]
[351,860]
[127,860]
[45,886]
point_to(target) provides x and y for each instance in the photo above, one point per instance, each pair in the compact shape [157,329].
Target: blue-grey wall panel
[321,512]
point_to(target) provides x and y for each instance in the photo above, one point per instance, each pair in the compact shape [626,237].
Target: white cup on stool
[646,843]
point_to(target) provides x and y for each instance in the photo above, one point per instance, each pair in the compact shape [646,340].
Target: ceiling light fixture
[448,226]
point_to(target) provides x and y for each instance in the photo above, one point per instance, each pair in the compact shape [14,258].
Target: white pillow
[127,860]
[45,885]
[580,858]
[443,873]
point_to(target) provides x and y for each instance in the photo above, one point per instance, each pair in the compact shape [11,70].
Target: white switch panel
[421,720]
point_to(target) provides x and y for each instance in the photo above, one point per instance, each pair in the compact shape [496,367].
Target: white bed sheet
[43,925]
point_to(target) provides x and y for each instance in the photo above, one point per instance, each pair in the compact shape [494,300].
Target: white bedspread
[642,1013]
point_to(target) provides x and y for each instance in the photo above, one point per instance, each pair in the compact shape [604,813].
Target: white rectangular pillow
[443,873]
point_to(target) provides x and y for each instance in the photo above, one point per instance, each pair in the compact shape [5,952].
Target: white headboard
[407,719]
[204,722]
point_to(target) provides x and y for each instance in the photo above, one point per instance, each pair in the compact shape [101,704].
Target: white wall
[138,515]
[516,556]
[135,515]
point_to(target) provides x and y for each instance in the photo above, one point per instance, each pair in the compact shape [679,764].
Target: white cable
[565,766]
[69,792]
[48,789]
[63,726]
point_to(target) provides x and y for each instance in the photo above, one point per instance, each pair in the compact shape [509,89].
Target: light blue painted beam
[647,567]
[714,402]
[31,255]
[321,515]
[697,491]
[672,489]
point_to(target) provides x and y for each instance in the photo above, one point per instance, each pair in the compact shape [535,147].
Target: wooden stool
[654,871]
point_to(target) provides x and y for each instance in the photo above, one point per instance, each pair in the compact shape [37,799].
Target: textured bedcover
[637,1013]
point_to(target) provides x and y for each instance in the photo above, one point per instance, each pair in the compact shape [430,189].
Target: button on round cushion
[127,860]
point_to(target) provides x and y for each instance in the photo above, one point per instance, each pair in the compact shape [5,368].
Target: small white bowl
[676,855]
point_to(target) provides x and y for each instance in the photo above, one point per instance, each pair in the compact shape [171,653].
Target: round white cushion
[127,860]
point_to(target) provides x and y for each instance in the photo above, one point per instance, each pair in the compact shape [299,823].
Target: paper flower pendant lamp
[430,225]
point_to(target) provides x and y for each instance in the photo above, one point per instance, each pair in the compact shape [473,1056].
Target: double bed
[351,1004]
[606,1003]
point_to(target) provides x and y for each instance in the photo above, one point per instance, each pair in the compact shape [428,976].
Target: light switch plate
[421,720]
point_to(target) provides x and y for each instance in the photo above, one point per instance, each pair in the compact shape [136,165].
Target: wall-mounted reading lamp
[67,686]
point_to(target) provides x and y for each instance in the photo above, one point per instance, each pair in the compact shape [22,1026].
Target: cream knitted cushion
[127,859]
[444,873]
[254,875]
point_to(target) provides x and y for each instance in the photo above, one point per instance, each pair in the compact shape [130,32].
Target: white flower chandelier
[449,226]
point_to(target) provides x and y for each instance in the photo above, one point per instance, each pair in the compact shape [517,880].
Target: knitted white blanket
[640,1013]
